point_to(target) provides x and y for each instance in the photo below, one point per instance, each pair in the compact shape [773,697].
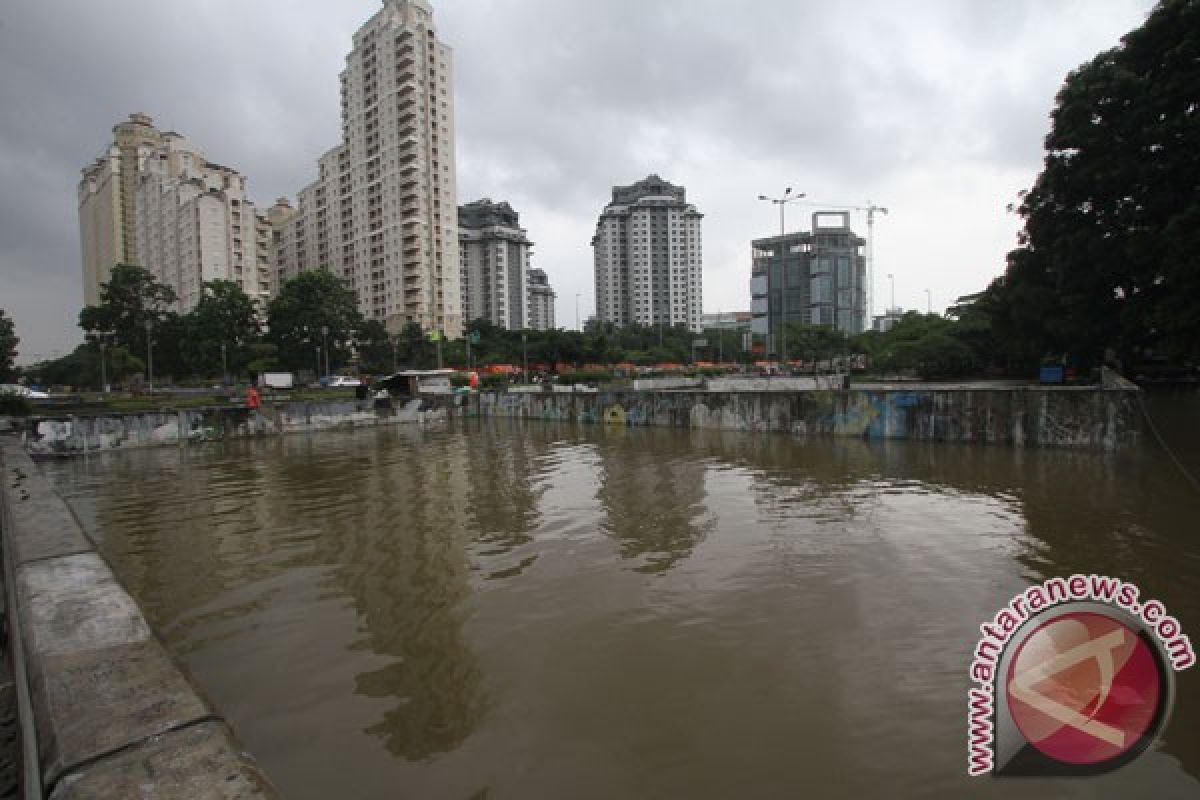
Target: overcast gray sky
[936,109]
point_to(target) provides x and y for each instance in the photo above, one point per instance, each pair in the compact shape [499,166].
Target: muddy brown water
[506,610]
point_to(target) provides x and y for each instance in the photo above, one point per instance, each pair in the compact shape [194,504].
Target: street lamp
[317,350]
[928,301]
[325,347]
[395,363]
[782,202]
[892,280]
[525,354]
[102,341]
[224,367]
[150,353]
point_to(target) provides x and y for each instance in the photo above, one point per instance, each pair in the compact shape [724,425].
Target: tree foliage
[1110,253]
[305,305]
[224,315]
[8,348]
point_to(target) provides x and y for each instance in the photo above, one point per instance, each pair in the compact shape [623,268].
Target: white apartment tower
[155,201]
[541,301]
[494,251]
[648,259]
[382,212]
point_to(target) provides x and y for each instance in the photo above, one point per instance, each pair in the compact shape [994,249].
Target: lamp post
[103,367]
[224,366]
[928,301]
[395,363]
[317,350]
[325,347]
[525,355]
[892,280]
[782,202]
[150,353]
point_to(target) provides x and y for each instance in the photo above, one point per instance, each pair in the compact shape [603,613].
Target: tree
[305,305]
[8,348]
[374,348]
[128,301]
[224,315]
[1109,254]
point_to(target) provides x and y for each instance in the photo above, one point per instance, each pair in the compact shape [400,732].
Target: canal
[506,610]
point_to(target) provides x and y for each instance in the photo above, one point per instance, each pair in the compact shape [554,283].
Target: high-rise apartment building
[812,278]
[648,257]
[108,203]
[154,200]
[494,251]
[382,213]
[541,301]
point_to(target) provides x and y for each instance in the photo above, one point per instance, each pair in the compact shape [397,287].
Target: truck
[276,380]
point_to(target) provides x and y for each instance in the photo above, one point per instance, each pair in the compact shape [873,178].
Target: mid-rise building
[648,257]
[382,213]
[541,301]
[887,320]
[155,201]
[494,251]
[813,277]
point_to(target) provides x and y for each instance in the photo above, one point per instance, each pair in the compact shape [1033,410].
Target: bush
[12,405]
[585,376]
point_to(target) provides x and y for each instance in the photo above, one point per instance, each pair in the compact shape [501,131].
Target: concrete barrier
[1021,416]
[77,434]
[114,715]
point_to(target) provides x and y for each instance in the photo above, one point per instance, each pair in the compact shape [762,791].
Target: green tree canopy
[224,315]
[8,348]
[1110,253]
[305,305]
[128,301]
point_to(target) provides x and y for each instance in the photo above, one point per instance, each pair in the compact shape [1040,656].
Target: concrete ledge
[199,763]
[114,715]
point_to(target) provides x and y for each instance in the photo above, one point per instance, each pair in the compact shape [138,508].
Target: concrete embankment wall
[114,716]
[75,434]
[1097,418]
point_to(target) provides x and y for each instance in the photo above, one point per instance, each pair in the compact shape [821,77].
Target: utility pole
[325,346]
[787,197]
[892,279]
[928,301]
[150,354]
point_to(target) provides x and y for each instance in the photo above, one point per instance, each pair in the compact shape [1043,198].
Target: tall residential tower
[494,250]
[382,213]
[648,259]
[153,200]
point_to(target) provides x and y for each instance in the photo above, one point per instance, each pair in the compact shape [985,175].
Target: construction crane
[871,210]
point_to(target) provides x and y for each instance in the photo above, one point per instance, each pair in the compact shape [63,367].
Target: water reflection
[653,498]
[538,608]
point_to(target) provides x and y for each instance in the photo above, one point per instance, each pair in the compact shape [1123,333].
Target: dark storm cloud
[937,105]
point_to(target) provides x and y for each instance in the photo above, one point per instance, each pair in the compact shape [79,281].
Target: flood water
[505,610]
